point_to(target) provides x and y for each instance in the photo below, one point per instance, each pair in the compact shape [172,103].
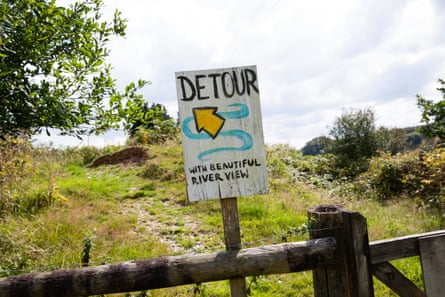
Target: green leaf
[67,48]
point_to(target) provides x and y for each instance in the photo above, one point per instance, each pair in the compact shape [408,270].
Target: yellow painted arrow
[206,119]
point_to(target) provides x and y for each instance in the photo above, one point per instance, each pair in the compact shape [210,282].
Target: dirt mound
[130,155]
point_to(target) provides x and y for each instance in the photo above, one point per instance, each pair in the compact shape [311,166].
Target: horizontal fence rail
[386,250]
[173,271]
[339,254]
[398,248]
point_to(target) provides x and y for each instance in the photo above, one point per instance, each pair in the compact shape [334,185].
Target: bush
[354,141]
[152,125]
[157,135]
[416,175]
[432,178]
[281,159]
[391,176]
[88,154]
[29,175]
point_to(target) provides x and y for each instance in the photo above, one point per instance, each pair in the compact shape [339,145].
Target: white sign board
[222,133]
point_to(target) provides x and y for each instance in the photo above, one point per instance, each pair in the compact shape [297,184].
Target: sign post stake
[223,144]
[232,238]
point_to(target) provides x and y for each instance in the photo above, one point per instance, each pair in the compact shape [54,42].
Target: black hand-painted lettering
[191,88]
[251,79]
[199,87]
[239,91]
[226,83]
[215,84]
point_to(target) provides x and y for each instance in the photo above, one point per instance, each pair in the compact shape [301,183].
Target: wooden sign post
[223,144]
[232,237]
[222,133]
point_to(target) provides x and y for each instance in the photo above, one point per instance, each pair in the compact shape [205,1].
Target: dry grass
[139,212]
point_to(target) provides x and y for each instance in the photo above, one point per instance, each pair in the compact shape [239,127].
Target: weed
[87,244]
[15,166]
[119,213]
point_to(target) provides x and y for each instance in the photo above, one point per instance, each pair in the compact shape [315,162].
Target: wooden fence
[339,254]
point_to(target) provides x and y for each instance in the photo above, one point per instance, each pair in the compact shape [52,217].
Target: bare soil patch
[131,155]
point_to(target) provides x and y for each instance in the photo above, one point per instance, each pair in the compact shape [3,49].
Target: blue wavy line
[238,114]
[186,130]
[245,137]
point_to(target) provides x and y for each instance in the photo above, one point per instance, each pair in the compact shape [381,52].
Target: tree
[390,141]
[316,146]
[151,124]
[413,140]
[53,72]
[433,115]
[354,140]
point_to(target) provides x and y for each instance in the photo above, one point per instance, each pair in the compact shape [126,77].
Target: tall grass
[118,213]
[15,167]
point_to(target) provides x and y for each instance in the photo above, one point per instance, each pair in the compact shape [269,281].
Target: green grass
[130,212]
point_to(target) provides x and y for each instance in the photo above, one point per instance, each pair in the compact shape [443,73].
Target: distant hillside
[413,140]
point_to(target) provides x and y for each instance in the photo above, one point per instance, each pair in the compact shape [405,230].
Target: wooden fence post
[352,276]
[432,256]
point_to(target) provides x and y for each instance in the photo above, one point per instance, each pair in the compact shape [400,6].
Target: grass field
[117,213]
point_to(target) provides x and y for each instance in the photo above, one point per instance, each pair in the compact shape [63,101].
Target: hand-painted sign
[220,118]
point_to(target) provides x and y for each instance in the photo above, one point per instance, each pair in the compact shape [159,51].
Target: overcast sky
[314,58]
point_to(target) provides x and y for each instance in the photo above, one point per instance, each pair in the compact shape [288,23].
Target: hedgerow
[418,175]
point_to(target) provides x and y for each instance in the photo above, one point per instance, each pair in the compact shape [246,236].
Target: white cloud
[54,139]
[314,58]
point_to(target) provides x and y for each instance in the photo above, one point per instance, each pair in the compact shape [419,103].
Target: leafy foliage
[316,146]
[354,140]
[391,141]
[432,183]
[120,213]
[433,114]
[15,166]
[28,176]
[413,140]
[390,176]
[416,175]
[151,125]
[53,70]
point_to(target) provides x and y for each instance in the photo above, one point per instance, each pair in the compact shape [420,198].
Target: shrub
[152,126]
[29,175]
[432,178]
[395,175]
[414,175]
[85,155]
[276,168]
[157,135]
[88,154]
[155,171]
[282,159]
[355,141]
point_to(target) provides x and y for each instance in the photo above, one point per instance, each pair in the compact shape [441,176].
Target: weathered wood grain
[351,276]
[398,248]
[232,238]
[432,256]
[396,281]
[173,271]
